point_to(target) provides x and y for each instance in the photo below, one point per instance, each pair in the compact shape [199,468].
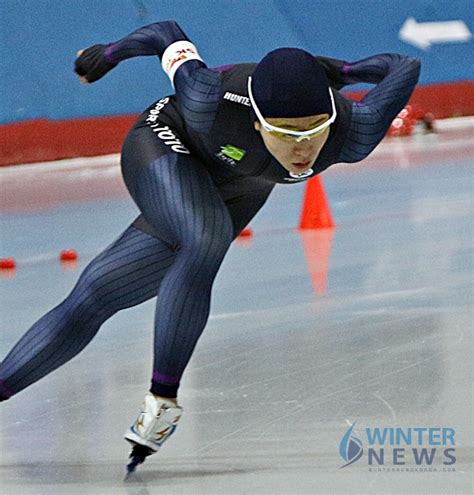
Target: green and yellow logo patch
[233,152]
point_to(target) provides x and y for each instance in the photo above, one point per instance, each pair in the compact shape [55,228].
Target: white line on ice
[390,408]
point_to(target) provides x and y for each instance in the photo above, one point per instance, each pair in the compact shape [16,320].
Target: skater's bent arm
[94,62]
[145,41]
[396,77]
[197,87]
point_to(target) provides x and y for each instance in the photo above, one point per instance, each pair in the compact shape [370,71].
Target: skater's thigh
[173,189]
[142,147]
[128,272]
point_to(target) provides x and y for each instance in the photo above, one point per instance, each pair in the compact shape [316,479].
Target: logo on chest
[242,100]
[230,154]
[299,177]
[163,131]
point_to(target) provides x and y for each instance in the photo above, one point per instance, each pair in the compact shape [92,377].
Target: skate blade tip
[131,474]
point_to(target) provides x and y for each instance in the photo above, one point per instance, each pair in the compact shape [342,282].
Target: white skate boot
[155,424]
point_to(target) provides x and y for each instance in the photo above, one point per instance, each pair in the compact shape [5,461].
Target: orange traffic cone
[316,213]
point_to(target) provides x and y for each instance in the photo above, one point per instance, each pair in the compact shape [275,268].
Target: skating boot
[155,424]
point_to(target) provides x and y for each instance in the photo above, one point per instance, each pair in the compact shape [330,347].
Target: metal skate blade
[133,477]
[137,457]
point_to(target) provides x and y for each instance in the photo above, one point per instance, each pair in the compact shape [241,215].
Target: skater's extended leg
[177,197]
[183,207]
[125,274]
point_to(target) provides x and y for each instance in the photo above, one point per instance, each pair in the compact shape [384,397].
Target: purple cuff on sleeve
[345,68]
[108,54]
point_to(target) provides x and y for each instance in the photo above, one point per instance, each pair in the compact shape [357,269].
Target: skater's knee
[209,246]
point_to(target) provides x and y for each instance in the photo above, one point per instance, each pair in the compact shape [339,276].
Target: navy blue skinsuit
[199,172]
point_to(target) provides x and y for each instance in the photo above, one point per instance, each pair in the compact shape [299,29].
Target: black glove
[333,71]
[92,64]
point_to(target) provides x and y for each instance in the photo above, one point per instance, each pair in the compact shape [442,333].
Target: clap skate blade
[138,456]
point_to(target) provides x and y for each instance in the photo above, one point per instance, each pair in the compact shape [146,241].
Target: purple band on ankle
[5,391]
[165,379]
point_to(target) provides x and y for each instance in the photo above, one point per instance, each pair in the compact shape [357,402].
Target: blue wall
[39,39]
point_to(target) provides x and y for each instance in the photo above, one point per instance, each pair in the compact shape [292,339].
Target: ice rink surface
[293,353]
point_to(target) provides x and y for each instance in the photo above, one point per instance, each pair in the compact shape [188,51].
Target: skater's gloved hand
[91,64]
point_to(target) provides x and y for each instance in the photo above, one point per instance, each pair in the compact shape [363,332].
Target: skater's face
[295,155]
